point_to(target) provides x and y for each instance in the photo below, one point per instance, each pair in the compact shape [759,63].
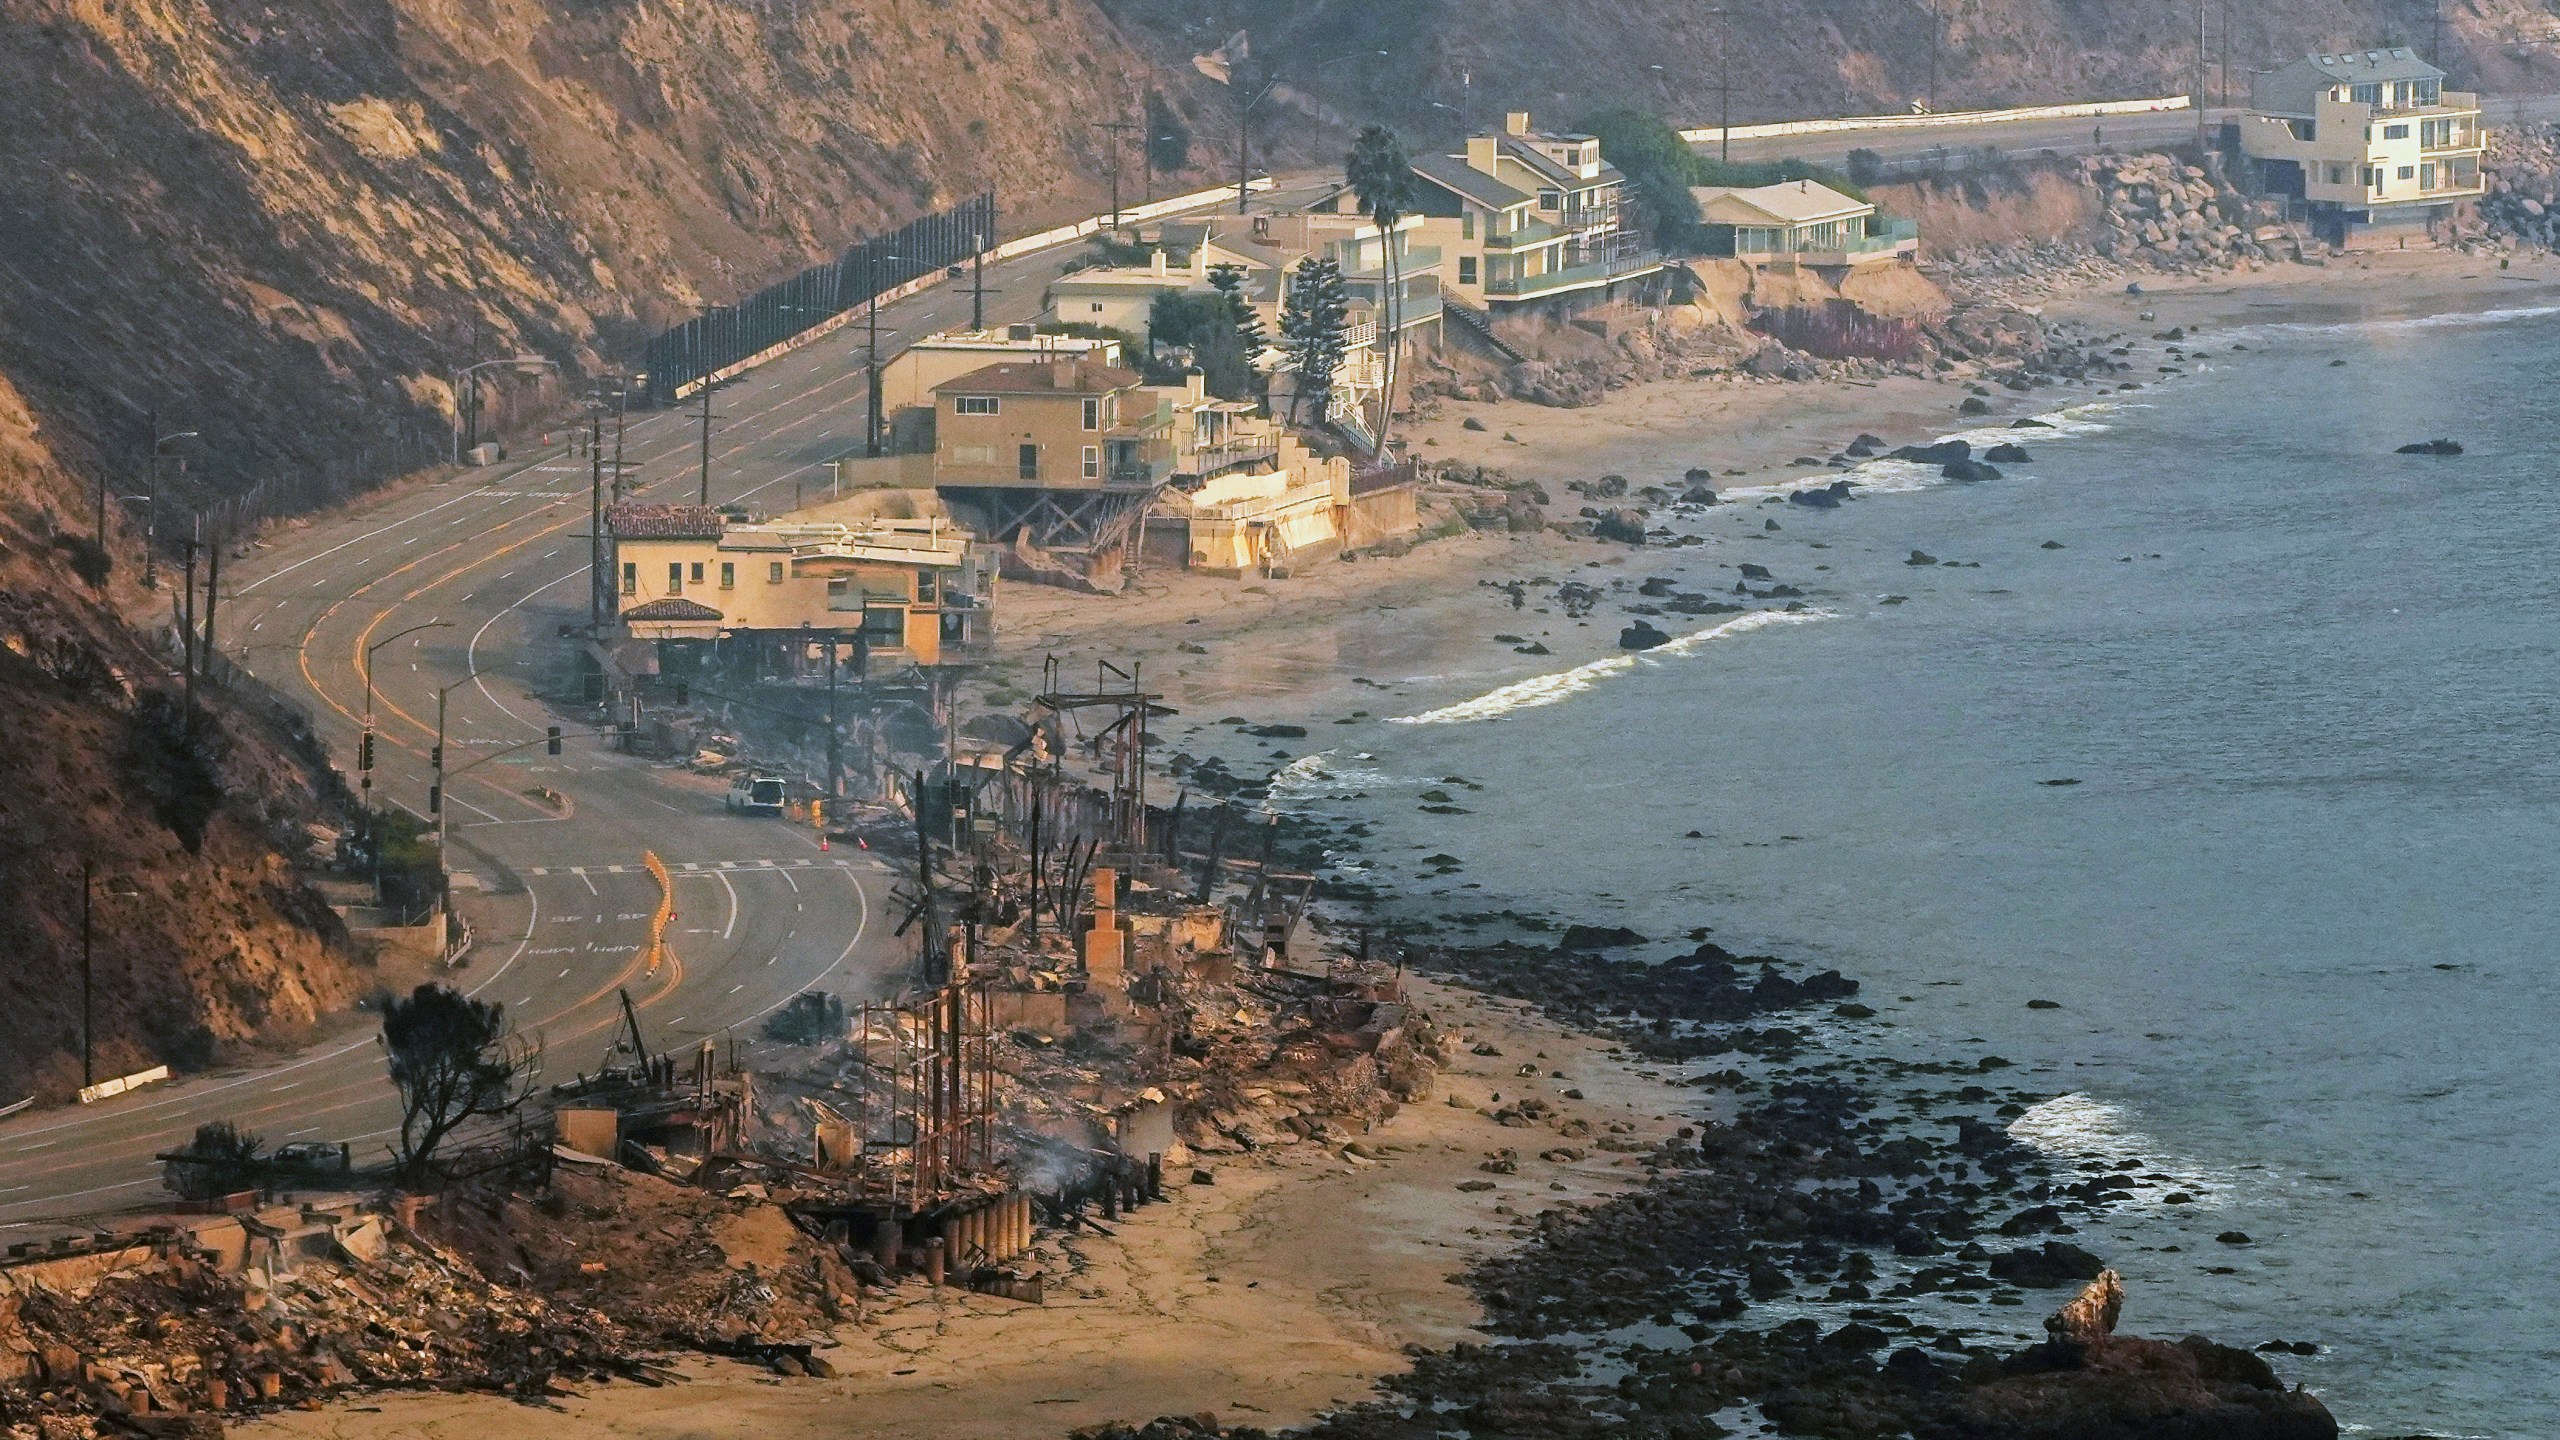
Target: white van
[756,795]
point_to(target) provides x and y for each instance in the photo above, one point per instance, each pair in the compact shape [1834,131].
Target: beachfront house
[1527,217]
[1055,459]
[1799,222]
[2368,144]
[701,589]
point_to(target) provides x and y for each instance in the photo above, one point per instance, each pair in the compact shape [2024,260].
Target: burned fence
[727,334]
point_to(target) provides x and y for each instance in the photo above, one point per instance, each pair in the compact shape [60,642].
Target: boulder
[1598,937]
[1823,498]
[1624,526]
[1974,405]
[2051,1266]
[1969,471]
[1941,453]
[1641,635]
[2006,454]
[2430,447]
[1698,495]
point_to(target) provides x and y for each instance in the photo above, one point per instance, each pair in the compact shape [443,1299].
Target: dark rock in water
[2051,545]
[2337,364]
[1699,475]
[2064,780]
[2033,1220]
[2050,1266]
[2007,454]
[1698,494]
[1753,572]
[1641,636]
[1921,557]
[1654,587]
[2030,424]
[1625,526]
[2430,447]
[1872,442]
[1858,450]
[1969,471]
[1823,499]
[1941,453]
[1974,405]
[2234,1237]
[1277,732]
[1768,524]
[1608,487]
[1598,937]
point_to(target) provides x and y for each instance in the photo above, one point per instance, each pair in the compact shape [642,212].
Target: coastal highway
[492,564]
[1904,146]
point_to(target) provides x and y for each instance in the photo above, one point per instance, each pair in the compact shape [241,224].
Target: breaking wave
[1886,476]
[1540,690]
[2098,1136]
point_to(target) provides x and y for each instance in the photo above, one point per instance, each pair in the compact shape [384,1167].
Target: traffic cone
[822,841]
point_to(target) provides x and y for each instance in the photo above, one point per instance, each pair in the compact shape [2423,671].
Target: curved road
[500,561]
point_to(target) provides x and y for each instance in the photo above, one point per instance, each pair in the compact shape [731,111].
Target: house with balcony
[2368,143]
[1528,217]
[1248,497]
[705,590]
[1055,460]
[1334,228]
[1799,222]
[1179,259]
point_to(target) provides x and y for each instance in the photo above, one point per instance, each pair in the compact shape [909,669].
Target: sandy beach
[1292,1282]
[1280,1290]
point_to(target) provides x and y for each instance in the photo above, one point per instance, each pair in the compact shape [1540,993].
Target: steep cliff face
[203,936]
[285,224]
[1795,58]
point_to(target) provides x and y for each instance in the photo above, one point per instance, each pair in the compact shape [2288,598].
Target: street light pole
[871,431]
[468,378]
[88,989]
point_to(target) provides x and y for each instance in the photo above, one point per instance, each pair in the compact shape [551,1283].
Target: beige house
[1119,297]
[1249,497]
[907,381]
[1799,222]
[2366,141]
[903,591]
[1054,459]
[1334,229]
[1526,216]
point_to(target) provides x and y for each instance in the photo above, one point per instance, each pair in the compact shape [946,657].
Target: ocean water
[2298,910]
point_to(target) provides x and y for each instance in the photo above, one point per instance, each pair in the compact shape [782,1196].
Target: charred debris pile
[1094,1011]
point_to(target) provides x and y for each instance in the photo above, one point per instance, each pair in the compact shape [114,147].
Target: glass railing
[1574,276]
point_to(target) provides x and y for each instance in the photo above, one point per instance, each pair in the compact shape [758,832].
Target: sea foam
[2100,1136]
[1548,689]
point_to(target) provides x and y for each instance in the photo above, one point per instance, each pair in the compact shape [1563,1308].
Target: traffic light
[435,799]
[364,751]
[553,742]
[435,757]
[818,813]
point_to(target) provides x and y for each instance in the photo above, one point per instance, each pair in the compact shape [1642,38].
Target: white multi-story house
[1524,216]
[2367,141]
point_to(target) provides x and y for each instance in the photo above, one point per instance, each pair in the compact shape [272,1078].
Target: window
[1550,199]
[1093,413]
[2366,94]
[2408,172]
[728,575]
[1467,226]
[696,577]
[2395,132]
[2337,172]
[884,626]
[2303,129]
[675,577]
[630,577]
[1026,462]
[2427,175]
[925,586]
[1466,270]
[773,572]
[2373,178]
[975,405]
[1095,307]
[1093,462]
[2426,92]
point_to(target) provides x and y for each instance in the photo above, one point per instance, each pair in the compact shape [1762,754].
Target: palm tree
[1380,174]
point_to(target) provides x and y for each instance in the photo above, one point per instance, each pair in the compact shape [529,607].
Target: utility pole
[88,989]
[835,737]
[978,282]
[621,392]
[212,593]
[599,568]
[1724,84]
[2200,95]
[1116,129]
[705,496]
[1933,53]
[871,364]
[187,623]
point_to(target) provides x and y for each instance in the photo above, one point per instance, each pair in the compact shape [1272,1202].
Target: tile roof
[1084,377]
[635,520]
[673,607]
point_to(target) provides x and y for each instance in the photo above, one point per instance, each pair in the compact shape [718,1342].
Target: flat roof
[1084,376]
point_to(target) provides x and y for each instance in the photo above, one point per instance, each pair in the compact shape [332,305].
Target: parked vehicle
[755,795]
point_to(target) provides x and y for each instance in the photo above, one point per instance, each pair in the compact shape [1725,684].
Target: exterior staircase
[1479,325]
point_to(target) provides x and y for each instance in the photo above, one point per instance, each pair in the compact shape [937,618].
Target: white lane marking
[861,922]
[470,652]
[533,916]
[733,907]
[591,886]
[786,879]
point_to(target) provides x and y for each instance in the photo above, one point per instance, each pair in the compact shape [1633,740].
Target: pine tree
[1228,281]
[1311,333]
